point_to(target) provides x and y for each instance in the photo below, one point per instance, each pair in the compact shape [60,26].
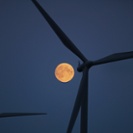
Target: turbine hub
[87,64]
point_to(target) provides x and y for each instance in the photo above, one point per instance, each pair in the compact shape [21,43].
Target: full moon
[64,72]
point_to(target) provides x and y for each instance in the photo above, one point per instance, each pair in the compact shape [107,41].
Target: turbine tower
[82,96]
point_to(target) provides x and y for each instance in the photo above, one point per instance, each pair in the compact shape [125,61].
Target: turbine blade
[78,102]
[4,115]
[114,57]
[66,41]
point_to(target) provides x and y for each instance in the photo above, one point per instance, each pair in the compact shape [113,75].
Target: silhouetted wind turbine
[82,96]
[17,114]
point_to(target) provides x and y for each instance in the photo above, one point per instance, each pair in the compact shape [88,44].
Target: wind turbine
[82,96]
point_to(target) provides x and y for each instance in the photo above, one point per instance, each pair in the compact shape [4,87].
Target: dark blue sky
[30,51]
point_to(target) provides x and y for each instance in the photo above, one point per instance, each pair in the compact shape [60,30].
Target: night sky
[30,51]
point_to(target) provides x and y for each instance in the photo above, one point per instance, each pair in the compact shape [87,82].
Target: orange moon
[64,72]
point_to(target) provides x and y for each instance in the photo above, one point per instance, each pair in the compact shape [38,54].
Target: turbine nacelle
[87,64]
